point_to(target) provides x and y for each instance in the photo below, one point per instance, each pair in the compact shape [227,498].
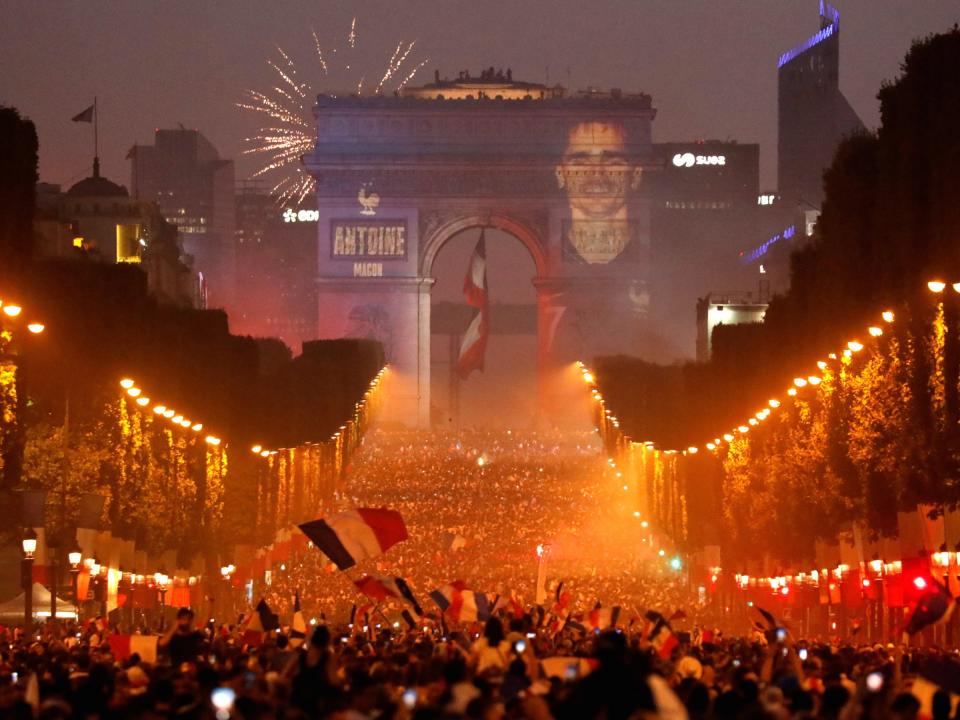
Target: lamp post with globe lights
[29,545]
[75,557]
[226,572]
[161,580]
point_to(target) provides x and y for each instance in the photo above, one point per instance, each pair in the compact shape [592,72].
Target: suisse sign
[688,159]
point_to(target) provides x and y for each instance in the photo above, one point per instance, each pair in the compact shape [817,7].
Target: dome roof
[97,186]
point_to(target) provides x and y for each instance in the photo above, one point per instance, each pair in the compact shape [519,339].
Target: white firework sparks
[287,132]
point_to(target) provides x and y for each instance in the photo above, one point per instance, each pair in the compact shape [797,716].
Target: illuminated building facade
[397,177]
[276,256]
[194,188]
[812,114]
[725,309]
[704,211]
[97,220]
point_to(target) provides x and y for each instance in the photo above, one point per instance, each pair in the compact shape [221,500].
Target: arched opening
[504,395]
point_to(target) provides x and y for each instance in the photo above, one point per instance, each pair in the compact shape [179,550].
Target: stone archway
[397,177]
[436,234]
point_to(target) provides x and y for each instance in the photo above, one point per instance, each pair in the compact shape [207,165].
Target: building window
[128,243]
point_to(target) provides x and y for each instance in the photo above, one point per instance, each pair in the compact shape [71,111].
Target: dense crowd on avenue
[504,668]
[476,507]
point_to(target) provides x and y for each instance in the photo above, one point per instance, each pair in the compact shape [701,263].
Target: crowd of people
[476,505]
[504,668]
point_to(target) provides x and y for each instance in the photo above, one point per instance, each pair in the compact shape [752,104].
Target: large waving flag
[934,607]
[381,587]
[474,343]
[358,534]
[460,604]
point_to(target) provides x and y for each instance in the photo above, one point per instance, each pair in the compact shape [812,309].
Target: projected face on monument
[597,175]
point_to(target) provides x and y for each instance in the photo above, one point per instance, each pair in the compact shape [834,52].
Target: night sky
[710,66]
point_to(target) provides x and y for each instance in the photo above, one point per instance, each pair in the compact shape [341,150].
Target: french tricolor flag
[123,646]
[474,343]
[382,587]
[460,604]
[358,534]
[601,618]
[660,634]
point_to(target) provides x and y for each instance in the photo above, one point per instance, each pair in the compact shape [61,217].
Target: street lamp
[226,571]
[54,548]
[161,580]
[75,557]
[29,545]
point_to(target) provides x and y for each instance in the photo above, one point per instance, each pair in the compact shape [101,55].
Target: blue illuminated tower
[813,115]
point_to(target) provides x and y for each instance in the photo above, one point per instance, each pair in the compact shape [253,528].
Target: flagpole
[96,139]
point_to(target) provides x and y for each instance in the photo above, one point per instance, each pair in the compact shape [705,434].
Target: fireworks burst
[287,129]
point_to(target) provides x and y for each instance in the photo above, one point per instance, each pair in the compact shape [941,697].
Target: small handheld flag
[298,628]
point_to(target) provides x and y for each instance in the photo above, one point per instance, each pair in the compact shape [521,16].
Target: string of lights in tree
[799,384]
[164,411]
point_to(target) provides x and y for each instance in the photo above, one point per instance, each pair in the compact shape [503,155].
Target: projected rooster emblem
[369,201]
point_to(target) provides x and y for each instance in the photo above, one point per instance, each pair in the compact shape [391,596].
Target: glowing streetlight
[143,401]
[728,437]
[127,383]
[29,543]
[813,380]
[159,409]
[887,316]
[855,346]
[12,310]
[256,449]
[936,286]
[36,328]
[692,449]
[800,382]
[743,428]
[875,331]
[169,413]
[197,427]
[792,392]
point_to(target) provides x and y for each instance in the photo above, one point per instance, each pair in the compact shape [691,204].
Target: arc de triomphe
[397,177]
